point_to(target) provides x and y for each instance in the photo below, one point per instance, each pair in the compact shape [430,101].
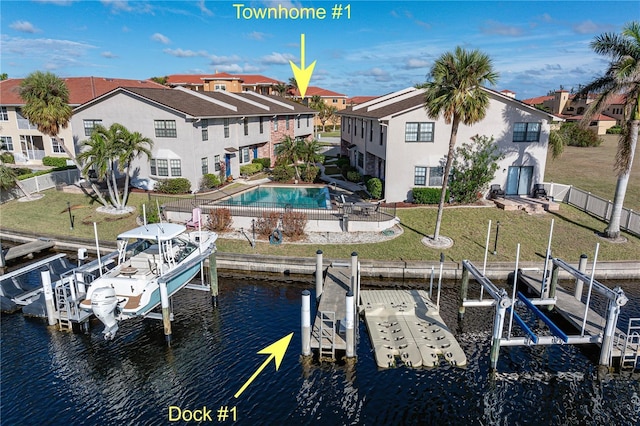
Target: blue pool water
[282,196]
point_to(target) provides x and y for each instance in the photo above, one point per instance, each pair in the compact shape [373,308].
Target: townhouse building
[235,83]
[393,138]
[196,133]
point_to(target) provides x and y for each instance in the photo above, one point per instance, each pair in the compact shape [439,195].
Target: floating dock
[28,249]
[405,324]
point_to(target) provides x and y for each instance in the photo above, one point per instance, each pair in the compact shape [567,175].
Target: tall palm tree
[280,89]
[131,146]
[47,106]
[289,151]
[622,77]
[455,90]
[97,154]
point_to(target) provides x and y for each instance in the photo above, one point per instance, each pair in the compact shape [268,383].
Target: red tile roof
[599,117]
[357,100]
[313,91]
[198,79]
[81,89]
[538,100]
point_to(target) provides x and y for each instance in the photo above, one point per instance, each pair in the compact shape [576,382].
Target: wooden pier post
[582,267]
[213,279]
[306,323]
[166,312]
[354,271]
[45,276]
[464,289]
[555,270]
[319,276]
[350,313]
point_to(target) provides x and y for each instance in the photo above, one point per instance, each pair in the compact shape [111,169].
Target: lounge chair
[496,192]
[539,191]
[196,218]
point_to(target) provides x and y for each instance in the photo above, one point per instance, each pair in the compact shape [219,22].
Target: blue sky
[535,46]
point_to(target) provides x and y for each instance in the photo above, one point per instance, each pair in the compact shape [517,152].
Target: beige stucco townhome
[393,138]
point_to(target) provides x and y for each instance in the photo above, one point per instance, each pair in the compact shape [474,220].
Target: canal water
[59,378]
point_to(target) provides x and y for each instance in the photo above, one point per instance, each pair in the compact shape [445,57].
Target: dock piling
[319,276]
[45,276]
[555,270]
[213,279]
[3,262]
[350,312]
[464,289]
[166,312]
[306,323]
[582,267]
[354,270]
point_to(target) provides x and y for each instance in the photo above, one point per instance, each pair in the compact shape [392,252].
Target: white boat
[149,257]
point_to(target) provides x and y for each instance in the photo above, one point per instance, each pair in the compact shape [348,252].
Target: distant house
[196,133]
[22,138]
[357,100]
[392,138]
[235,83]
[572,108]
[329,97]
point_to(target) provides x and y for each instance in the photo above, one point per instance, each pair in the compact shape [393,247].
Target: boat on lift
[150,258]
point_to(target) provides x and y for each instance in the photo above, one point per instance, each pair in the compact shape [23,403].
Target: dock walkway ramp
[405,324]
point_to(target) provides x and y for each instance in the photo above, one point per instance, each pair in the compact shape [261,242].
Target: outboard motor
[103,304]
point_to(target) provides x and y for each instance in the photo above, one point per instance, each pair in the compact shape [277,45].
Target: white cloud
[378,74]
[222,60]
[50,53]
[497,28]
[413,63]
[203,8]
[160,38]
[57,2]
[117,5]
[278,58]
[256,35]
[590,27]
[108,55]
[24,26]
[180,53]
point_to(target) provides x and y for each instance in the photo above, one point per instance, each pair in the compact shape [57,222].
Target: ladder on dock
[327,335]
[62,298]
[67,299]
[631,350]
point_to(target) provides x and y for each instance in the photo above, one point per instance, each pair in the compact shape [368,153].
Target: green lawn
[591,169]
[574,232]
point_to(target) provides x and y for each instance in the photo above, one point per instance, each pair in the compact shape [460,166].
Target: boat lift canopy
[154,231]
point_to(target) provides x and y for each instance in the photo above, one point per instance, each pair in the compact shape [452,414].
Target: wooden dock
[28,249]
[328,333]
[571,308]
[405,324]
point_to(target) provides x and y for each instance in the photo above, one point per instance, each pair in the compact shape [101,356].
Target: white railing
[42,182]
[594,205]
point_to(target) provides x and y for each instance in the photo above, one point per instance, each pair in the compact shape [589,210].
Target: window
[152,166]
[216,163]
[298,122]
[275,124]
[163,167]
[222,87]
[435,176]
[526,132]
[246,126]
[56,145]
[418,132]
[420,176]
[360,159]
[261,125]
[176,169]
[371,131]
[334,100]
[205,130]
[6,143]
[89,125]
[204,162]
[287,122]
[165,128]
[308,120]
[23,123]
[244,155]
[226,127]
[4,116]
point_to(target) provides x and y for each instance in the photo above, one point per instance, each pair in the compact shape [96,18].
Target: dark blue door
[227,165]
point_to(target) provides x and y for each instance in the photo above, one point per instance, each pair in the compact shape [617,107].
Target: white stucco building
[393,138]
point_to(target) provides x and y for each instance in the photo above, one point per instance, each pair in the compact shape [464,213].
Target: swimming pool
[301,197]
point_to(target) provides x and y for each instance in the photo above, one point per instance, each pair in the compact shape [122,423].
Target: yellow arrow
[302,74]
[275,350]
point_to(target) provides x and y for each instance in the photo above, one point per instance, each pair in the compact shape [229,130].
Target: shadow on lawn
[573,222]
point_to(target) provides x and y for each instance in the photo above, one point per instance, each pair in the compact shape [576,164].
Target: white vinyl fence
[42,182]
[594,205]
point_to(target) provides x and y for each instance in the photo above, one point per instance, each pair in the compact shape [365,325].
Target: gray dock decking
[28,248]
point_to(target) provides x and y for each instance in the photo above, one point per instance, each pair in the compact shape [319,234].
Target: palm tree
[47,106]
[131,146]
[622,77]
[290,151]
[455,90]
[97,154]
[280,89]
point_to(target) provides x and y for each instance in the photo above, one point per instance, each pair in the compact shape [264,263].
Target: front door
[227,165]
[519,180]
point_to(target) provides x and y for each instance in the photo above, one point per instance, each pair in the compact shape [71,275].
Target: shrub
[574,135]
[474,166]
[267,223]
[374,186]
[209,181]
[26,173]
[54,161]
[615,130]
[343,161]
[427,195]
[309,173]
[353,176]
[266,162]
[220,219]
[293,224]
[283,173]
[173,186]
[250,169]
[151,211]
[7,158]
